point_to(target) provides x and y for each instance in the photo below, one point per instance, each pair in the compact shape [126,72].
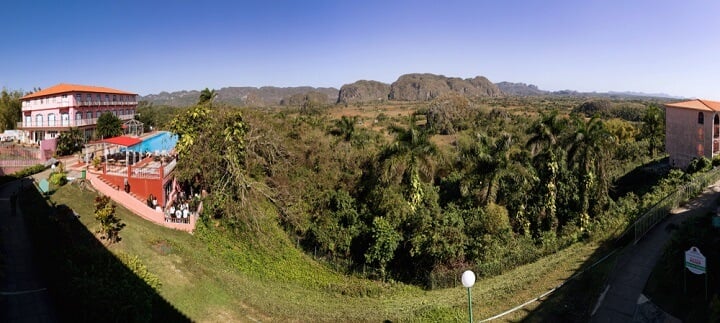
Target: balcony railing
[104,103]
[67,123]
[65,104]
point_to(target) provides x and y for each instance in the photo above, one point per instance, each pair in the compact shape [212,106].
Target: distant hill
[646,95]
[363,91]
[520,89]
[246,96]
[311,97]
[424,87]
[408,87]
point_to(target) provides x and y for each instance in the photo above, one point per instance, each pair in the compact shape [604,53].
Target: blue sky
[150,46]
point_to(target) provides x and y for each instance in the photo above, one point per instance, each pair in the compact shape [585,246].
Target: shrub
[58,178]
[701,164]
[32,170]
[135,264]
[496,219]
[716,161]
[110,224]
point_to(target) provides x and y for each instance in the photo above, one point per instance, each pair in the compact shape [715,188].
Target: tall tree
[653,129]
[207,96]
[490,161]
[410,159]
[588,152]
[544,146]
[108,125]
[69,142]
[10,109]
[189,126]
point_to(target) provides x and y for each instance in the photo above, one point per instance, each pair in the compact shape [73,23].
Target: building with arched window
[58,108]
[692,130]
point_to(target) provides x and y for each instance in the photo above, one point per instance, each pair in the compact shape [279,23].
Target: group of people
[179,212]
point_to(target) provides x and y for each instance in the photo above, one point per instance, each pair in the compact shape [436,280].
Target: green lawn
[262,276]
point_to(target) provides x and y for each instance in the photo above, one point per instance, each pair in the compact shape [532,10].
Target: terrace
[145,176]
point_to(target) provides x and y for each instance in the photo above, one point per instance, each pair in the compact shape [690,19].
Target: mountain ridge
[408,87]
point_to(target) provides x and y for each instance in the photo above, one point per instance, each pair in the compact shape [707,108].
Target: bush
[58,178]
[496,219]
[716,161]
[135,264]
[32,170]
[701,164]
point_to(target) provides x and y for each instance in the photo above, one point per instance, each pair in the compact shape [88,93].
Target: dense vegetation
[394,198]
[10,108]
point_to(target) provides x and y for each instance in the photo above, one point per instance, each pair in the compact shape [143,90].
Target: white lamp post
[468,280]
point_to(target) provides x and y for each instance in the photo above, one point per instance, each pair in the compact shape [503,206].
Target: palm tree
[345,127]
[490,161]
[207,96]
[588,150]
[544,146]
[409,159]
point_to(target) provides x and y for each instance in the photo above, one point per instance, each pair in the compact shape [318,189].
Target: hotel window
[39,120]
[65,119]
[97,97]
[51,119]
[97,114]
[114,98]
[78,97]
[701,118]
[88,97]
[64,96]
[107,97]
[88,115]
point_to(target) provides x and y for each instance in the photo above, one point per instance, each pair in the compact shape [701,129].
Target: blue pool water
[163,141]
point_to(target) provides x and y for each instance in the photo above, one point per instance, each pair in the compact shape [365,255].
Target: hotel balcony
[66,123]
[105,103]
[67,104]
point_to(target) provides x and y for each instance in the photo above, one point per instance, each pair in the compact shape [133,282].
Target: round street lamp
[468,280]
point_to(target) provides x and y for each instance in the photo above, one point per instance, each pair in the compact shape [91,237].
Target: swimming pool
[163,141]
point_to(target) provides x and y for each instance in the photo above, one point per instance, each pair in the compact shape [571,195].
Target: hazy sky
[149,46]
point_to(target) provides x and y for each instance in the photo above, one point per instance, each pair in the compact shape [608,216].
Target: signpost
[695,263]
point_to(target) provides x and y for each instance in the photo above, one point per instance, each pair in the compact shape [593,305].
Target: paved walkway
[623,295]
[23,297]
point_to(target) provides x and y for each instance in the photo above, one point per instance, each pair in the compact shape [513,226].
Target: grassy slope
[212,278]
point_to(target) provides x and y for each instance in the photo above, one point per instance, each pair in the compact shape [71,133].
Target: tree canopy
[506,188]
[108,125]
[10,109]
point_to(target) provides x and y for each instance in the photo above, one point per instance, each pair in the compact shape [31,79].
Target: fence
[19,162]
[661,209]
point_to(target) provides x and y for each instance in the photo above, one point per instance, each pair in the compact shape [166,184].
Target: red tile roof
[697,104]
[124,141]
[66,88]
